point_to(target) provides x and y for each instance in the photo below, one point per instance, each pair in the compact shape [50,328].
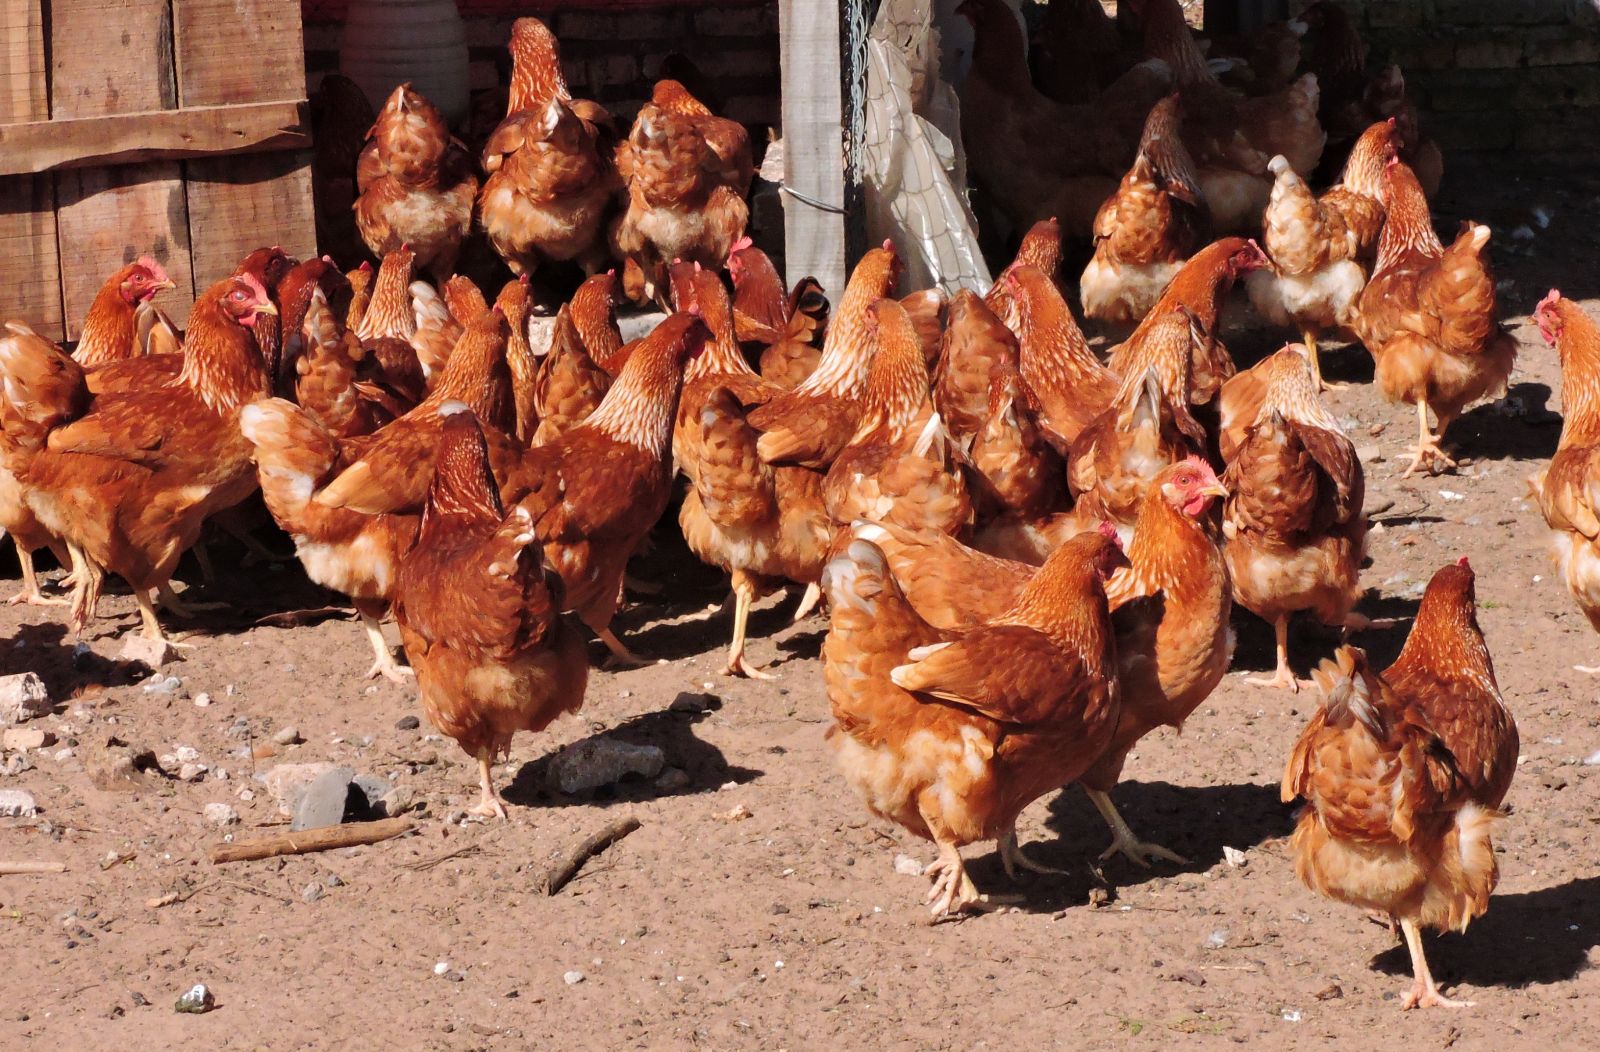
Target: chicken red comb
[888,245]
[1109,532]
[742,244]
[1462,562]
[1551,298]
[156,270]
[366,266]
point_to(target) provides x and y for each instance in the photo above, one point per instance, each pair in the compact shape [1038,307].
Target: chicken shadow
[1311,641]
[1519,427]
[45,649]
[1542,937]
[652,637]
[1194,821]
[706,768]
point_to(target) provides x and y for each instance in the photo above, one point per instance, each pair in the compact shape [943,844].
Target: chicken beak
[267,308]
[163,285]
[1214,489]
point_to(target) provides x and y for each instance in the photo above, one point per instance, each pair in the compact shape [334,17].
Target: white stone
[17,803]
[221,815]
[22,697]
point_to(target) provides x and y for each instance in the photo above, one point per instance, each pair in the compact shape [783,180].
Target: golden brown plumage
[1403,775]
[108,333]
[1428,317]
[417,184]
[479,616]
[1065,381]
[1146,229]
[1293,521]
[951,736]
[549,176]
[1565,489]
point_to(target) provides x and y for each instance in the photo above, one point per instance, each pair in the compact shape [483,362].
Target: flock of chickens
[1028,555]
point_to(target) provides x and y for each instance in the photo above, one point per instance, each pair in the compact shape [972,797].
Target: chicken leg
[489,804]
[177,607]
[1429,452]
[30,593]
[1123,840]
[86,593]
[952,891]
[1012,858]
[744,593]
[1284,677]
[1310,337]
[383,663]
[620,654]
[150,627]
[1424,991]
[808,601]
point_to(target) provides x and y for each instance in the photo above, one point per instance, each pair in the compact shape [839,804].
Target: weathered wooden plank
[269,67]
[813,142]
[114,57]
[30,268]
[87,142]
[238,204]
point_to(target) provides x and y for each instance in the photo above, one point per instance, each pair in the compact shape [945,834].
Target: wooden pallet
[171,128]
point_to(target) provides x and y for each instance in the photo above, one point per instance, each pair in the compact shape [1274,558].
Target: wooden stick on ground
[567,866]
[308,840]
[28,868]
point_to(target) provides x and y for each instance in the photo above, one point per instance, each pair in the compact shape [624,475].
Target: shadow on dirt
[1194,821]
[1543,936]
[671,732]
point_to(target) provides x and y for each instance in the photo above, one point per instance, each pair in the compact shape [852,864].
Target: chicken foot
[30,593]
[1284,676]
[489,804]
[1123,840]
[150,628]
[168,599]
[744,591]
[620,654]
[1012,858]
[383,663]
[953,891]
[1424,991]
[86,593]
[1429,451]
[1310,338]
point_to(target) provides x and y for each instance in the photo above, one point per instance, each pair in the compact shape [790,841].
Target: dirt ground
[791,928]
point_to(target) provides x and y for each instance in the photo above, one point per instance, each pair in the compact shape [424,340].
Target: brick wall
[1518,75]
[615,57]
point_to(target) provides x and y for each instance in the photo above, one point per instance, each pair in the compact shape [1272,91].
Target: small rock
[1291,1015]
[288,736]
[191,772]
[22,697]
[325,801]
[693,703]
[441,967]
[407,723]
[1371,454]
[221,815]
[1217,939]
[1099,897]
[1234,857]
[16,764]
[151,653]
[118,766]
[1188,975]
[239,728]
[197,1000]
[287,782]
[312,893]
[140,1000]
[202,700]
[20,739]
[907,866]
[737,813]
[672,780]
[383,798]
[332,880]
[163,685]
[596,762]
[186,754]
[1331,992]
[572,978]
[17,803]
[1451,495]
[1592,760]
[247,794]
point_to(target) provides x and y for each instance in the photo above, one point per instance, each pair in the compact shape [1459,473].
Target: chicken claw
[1124,841]
[179,608]
[1284,678]
[1424,992]
[383,663]
[952,892]
[33,597]
[1012,858]
[1428,452]
[489,805]
[621,656]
